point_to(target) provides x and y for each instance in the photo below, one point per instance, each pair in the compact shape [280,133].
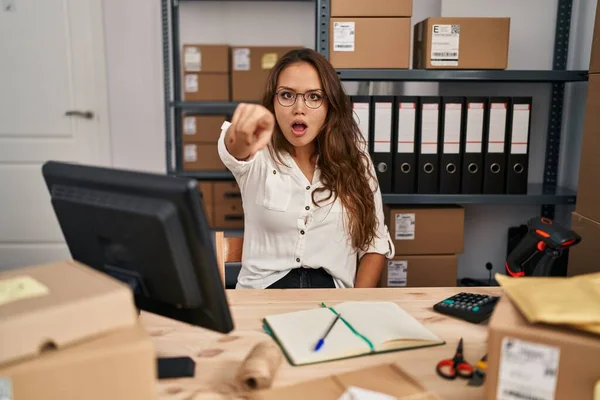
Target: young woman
[312,204]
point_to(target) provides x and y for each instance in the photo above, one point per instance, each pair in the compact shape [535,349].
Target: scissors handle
[449,369]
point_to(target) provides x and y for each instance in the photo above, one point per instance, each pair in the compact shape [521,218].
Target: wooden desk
[218,356]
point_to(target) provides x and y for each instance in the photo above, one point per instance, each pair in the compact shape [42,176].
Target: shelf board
[207,175]
[206,107]
[423,75]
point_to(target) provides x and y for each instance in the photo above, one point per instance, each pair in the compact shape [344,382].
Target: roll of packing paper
[259,367]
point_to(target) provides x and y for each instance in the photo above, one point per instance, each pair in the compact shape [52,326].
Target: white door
[52,61]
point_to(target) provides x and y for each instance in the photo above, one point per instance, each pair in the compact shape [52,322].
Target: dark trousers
[304,278]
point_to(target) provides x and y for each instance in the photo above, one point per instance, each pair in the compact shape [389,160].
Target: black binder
[518,149]
[494,175]
[473,135]
[381,141]
[405,177]
[428,145]
[451,124]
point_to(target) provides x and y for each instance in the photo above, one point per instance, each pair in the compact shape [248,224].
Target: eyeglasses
[312,99]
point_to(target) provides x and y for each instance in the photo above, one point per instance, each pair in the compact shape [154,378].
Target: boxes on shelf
[202,157]
[461,43]
[369,42]
[538,361]
[202,128]
[223,204]
[372,8]
[426,230]
[250,68]
[583,256]
[420,271]
[206,190]
[205,72]
[44,355]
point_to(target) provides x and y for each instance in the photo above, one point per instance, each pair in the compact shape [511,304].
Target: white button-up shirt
[283,229]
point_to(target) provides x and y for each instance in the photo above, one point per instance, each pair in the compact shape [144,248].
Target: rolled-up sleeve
[238,168]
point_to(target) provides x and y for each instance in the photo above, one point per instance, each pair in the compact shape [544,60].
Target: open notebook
[364,328]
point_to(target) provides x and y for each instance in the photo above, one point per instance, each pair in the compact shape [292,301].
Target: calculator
[471,307]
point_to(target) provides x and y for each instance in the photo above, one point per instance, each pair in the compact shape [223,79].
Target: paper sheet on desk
[573,301]
[356,393]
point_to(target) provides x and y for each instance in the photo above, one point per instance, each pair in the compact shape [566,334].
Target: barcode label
[444,45]
[405,226]
[445,54]
[343,36]
[396,273]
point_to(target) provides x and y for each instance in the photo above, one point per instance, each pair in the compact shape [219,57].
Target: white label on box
[474,128]
[452,123]
[407,114]
[520,129]
[497,134]
[6,392]
[429,129]
[527,370]
[444,45]
[192,59]
[405,226]
[397,273]
[241,59]
[191,83]
[190,153]
[357,393]
[343,36]
[189,125]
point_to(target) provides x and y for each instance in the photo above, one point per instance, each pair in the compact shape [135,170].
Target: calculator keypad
[469,306]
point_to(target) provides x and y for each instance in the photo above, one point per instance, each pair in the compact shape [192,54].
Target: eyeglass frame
[324,97]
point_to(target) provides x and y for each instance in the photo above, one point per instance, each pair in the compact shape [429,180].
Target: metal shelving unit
[547,194]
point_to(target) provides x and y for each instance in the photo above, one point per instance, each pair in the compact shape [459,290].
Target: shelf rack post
[561,49]
[167,83]
[322,14]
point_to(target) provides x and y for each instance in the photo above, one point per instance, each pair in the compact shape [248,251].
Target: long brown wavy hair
[344,167]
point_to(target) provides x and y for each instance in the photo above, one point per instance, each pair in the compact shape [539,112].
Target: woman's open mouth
[299,128]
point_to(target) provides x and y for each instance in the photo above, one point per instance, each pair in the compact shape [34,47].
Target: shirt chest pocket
[277,194]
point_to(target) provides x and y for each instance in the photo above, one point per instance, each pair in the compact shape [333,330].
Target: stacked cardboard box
[586,218]
[222,204]
[370,34]
[427,241]
[200,135]
[206,72]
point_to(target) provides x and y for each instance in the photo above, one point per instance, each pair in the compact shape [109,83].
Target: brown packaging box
[250,68]
[372,8]
[202,157]
[595,54]
[70,332]
[205,72]
[369,42]
[588,190]
[420,271]
[205,87]
[203,58]
[228,206]
[202,128]
[426,230]
[461,43]
[583,256]
[206,190]
[537,360]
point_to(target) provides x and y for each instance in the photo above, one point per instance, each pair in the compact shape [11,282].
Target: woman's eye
[286,95]
[314,96]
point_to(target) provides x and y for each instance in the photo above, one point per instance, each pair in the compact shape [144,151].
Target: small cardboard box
[595,54]
[538,361]
[206,190]
[69,332]
[202,157]
[369,42]
[426,230]
[583,258]
[250,69]
[420,271]
[203,58]
[202,128]
[461,43]
[588,190]
[206,86]
[372,8]
[228,206]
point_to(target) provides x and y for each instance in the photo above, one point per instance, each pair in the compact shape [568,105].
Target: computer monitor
[147,230]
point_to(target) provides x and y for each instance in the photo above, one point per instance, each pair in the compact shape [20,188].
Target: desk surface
[218,356]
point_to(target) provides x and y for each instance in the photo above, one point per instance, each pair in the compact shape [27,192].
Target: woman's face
[300,120]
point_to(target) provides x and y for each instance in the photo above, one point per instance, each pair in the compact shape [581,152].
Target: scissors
[479,373]
[450,368]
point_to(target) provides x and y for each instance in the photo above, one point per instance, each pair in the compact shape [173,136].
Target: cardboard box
[228,206]
[250,69]
[372,8]
[537,360]
[202,128]
[369,42]
[70,332]
[206,190]
[583,257]
[205,58]
[426,230]
[206,87]
[201,157]
[461,43]
[588,190]
[595,53]
[421,271]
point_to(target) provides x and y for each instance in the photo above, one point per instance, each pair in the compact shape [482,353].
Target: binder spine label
[497,128]
[383,128]
[405,226]
[343,36]
[429,129]
[444,45]
[452,128]
[406,127]
[397,272]
[474,137]
[361,116]
[520,129]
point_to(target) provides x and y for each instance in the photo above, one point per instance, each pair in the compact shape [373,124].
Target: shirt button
[297,260]
[307,208]
[302,232]
[274,172]
[308,188]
